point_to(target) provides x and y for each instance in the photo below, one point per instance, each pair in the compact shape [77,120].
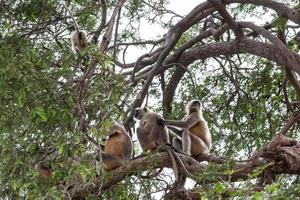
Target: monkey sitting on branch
[44,173]
[195,138]
[117,149]
[78,37]
[152,133]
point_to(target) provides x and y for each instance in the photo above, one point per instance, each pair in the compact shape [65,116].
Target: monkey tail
[175,168]
[185,171]
[74,21]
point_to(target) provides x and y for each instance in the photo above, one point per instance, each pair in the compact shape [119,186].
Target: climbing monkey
[78,37]
[117,149]
[196,138]
[152,133]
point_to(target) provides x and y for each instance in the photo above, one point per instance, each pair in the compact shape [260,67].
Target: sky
[152,31]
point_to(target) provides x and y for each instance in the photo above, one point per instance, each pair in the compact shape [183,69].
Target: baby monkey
[117,149]
[196,138]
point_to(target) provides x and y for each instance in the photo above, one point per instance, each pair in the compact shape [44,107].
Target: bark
[282,155]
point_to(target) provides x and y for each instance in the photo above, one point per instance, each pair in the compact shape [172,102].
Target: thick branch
[227,17]
[291,121]
[134,168]
[268,51]
[280,8]
[172,38]
[282,155]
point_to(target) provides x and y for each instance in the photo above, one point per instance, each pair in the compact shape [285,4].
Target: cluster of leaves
[38,103]
[243,103]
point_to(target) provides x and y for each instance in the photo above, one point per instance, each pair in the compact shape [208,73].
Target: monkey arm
[175,131]
[127,148]
[177,123]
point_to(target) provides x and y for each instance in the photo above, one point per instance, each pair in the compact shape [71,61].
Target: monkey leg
[175,130]
[186,142]
[127,149]
[177,144]
[180,182]
[198,146]
[111,162]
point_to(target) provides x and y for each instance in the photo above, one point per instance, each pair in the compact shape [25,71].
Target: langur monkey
[78,37]
[117,149]
[44,173]
[196,138]
[152,133]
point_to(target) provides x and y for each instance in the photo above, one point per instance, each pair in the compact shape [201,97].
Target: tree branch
[282,154]
[103,22]
[227,17]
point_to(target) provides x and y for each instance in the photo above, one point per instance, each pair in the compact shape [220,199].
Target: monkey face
[116,129]
[197,103]
[194,106]
[113,134]
[139,112]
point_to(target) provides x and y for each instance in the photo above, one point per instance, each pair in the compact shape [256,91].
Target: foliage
[242,97]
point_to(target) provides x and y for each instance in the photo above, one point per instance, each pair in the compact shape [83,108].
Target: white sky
[152,31]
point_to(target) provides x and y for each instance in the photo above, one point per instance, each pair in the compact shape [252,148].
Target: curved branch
[282,155]
[172,38]
[280,8]
[103,22]
[133,168]
[268,51]
[227,17]
[170,90]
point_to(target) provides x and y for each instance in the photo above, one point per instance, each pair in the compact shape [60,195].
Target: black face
[136,113]
[114,134]
[196,103]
